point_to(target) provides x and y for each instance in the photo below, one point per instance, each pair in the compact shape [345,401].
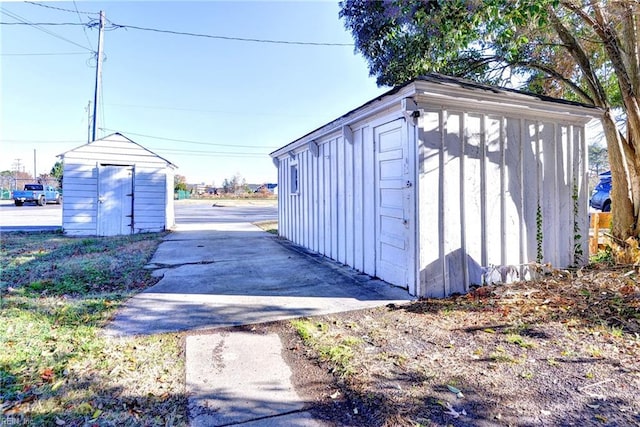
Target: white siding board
[580,157]
[564,212]
[313,189]
[472,199]
[349,218]
[430,185]
[369,194]
[303,213]
[513,191]
[341,195]
[322,209]
[530,172]
[358,196]
[333,198]
[493,191]
[308,200]
[452,233]
[549,193]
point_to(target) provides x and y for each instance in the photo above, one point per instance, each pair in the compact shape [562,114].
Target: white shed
[441,184]
[114,186]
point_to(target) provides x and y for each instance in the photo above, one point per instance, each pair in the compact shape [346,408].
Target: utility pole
[89,122]
[96,92]
[35,174]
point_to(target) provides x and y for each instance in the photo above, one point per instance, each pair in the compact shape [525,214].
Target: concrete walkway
[226,274]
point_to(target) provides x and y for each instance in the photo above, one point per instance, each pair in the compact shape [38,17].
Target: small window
[294,178]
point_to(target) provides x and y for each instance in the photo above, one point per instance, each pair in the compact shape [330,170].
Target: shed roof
[442,84]
[106,138]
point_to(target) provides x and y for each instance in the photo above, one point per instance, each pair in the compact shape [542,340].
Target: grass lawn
[56,368]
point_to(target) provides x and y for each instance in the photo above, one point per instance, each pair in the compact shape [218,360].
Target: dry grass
[560,351]
[56,293]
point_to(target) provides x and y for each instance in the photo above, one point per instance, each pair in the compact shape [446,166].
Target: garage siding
[495,182]
[332,213]
[496,191]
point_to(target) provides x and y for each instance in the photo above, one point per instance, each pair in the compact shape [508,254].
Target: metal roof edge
[342,120]
[436,81]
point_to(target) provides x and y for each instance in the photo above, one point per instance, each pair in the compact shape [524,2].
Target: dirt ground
[564,351]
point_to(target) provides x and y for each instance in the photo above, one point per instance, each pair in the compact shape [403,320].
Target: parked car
[601,196]
[37,193]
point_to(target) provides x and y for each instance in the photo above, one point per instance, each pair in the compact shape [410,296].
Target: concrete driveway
[226,272]
[219,270]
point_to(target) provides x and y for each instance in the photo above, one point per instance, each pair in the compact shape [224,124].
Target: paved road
[29,217]
[192,212]
[188,212]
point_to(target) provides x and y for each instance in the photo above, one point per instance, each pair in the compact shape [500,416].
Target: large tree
[57,172]
[585,50]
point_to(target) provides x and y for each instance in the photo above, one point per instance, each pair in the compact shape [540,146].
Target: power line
[213,153]
[84,28]
[186,141]
[115,26]
[240,39]
[43,54]
[44,23]
[36,26]
[199,110]
[43,141]
[61,9]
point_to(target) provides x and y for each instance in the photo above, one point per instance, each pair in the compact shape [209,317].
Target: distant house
[114,186]
[439,181]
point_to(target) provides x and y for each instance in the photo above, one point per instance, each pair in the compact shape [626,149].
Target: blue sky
[248,98]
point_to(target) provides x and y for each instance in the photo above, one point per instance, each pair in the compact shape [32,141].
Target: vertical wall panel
[341,194]
[513,191]
[328,198]
[493,189]
[313,188]
[473,197]
[349,190]
[305,173]
[432,272]
[358,197]
[565,202]
[531,166]
[283,203]
[321,199]
[454,137]
[580,157]
[550,200]
[369,202]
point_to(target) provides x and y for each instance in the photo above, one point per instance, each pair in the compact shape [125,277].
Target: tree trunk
[625,175]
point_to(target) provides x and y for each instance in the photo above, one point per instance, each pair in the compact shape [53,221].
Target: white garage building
[439,182]
[114,186]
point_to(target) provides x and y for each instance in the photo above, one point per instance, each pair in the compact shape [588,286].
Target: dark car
[601,196]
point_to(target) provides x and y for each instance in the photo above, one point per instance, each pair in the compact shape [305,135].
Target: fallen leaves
[608,297]
[515,352]
[455,391]
[47,375]
[451,411]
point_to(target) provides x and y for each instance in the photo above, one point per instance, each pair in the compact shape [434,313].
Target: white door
[115,200]
[394,193]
